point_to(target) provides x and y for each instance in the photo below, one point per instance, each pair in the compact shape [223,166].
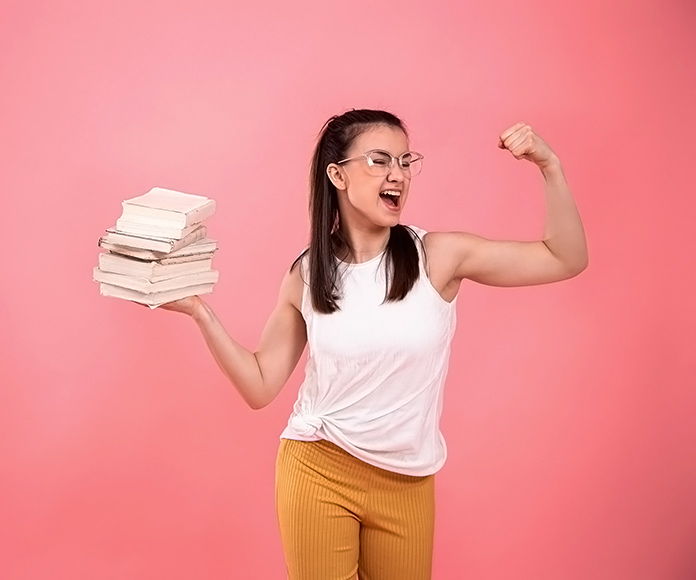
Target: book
[145,286]
[152,271]
[172,207]
[186,258]
[164,245]
[194,251]
[157,299]
[150,229]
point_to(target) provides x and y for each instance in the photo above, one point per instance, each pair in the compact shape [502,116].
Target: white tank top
[376,371]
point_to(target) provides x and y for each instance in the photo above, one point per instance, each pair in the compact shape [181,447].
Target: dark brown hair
[327,240]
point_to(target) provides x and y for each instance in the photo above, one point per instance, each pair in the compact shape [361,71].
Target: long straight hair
[327,239]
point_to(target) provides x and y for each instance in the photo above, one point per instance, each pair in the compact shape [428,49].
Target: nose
[396,173]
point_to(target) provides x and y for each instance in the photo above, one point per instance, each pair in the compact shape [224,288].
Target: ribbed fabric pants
[340,516]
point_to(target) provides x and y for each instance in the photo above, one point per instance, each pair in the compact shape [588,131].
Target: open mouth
[391,198]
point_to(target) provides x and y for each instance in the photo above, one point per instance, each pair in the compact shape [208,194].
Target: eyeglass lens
[380,163]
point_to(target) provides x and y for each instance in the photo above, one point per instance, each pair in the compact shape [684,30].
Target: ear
[337,176]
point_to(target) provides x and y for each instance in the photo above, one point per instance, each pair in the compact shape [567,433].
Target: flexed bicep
[460,255]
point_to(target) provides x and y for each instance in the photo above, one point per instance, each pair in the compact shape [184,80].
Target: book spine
[163,245]
[137,228]
[153,300]
[198,234]
[125,265]
[152,271]
[164,271]
[146,287]
[182,259]
[134,253]
[168,217]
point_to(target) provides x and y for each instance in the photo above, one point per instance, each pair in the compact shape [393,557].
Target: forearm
[564,234]
[236,362]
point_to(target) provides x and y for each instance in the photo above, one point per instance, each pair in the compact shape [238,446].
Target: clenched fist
[524,143]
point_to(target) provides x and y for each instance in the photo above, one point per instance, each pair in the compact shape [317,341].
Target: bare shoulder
[445,251]
[292,287]
[448,245]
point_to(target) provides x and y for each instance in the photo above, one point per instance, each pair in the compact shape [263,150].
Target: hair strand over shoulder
[327,240]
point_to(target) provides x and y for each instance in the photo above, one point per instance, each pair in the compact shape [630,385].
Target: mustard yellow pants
[340,517]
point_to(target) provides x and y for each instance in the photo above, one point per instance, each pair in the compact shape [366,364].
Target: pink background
[125,454]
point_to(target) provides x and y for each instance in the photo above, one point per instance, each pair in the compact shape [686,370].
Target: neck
[366,243]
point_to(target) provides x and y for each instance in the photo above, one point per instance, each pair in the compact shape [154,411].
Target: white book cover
[179,208]
[205,246]
[135,228]
[155,244]
[185,258]
[154,300]
[145,286]
[152,271]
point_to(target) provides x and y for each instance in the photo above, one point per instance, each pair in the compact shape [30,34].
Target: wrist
[199,310]
[551,167]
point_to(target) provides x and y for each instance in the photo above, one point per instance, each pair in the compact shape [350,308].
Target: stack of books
[158,251]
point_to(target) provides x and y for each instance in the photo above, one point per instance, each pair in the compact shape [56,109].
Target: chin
[390,223]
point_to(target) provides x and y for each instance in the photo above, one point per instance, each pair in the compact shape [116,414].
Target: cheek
[365,187]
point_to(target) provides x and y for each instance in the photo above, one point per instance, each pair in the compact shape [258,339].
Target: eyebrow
[387,152]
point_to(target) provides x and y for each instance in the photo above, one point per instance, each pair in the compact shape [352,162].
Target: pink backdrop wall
[124,453]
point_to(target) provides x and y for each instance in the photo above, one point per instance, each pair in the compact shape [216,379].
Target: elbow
[257,405]
[257,401]
[577,267]
[583,262]
[258,394]
[584,265]
[253,395]
[260,398]
[570,263]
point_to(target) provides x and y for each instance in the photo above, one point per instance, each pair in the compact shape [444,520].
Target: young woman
[376,302]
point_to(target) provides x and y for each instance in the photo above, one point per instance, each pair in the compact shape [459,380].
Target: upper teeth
[393,193]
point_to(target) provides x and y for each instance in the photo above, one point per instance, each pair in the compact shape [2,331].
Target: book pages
[158,251]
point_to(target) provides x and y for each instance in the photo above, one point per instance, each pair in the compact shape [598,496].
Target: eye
[406,160]
[379,158]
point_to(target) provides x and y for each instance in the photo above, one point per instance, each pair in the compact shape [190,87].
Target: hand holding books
[158,251]
[186,305]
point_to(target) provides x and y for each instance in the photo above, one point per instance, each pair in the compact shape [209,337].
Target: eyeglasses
[381,163]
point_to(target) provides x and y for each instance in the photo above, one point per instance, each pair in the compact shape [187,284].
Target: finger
[525,149]
[517,140]
[505,134]
[520,152]
[517,146]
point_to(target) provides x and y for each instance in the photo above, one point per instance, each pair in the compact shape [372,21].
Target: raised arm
[258,376]
[561,254]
